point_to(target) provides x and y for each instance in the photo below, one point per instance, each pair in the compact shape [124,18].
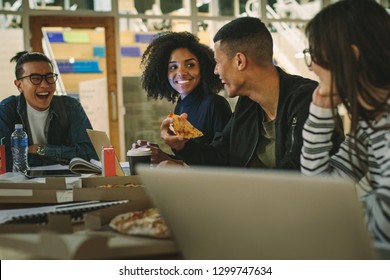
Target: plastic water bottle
[19,147]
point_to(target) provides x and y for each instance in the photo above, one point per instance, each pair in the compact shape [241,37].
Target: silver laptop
[253,214]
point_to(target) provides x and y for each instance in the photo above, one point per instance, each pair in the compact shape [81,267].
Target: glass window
[220,7]
[155,8]
[289,43]
[10,21]
[154,25]
[11,5]
[10,17]
[72,5]
[292,9]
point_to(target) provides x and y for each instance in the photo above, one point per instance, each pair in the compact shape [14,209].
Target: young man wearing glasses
[56,125]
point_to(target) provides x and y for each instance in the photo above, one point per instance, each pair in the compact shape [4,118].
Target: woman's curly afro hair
[155,59]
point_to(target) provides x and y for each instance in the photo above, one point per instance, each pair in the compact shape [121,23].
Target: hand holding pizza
[176,142]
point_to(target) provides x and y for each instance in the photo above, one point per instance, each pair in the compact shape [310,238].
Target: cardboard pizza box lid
[50,190]
[89,191]
[89,245]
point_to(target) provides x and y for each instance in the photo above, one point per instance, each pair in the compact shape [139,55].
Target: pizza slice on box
[146,222]
[183,127]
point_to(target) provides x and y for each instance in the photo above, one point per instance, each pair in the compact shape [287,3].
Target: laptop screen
[253,214]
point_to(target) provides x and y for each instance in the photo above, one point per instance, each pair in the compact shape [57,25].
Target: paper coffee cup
[136,156]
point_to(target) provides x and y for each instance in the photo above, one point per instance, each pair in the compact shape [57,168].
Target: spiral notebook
[39,214]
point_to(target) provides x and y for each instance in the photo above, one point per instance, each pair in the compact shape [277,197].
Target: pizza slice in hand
[181,126]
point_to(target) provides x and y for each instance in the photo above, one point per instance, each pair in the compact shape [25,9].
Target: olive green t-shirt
[265,150]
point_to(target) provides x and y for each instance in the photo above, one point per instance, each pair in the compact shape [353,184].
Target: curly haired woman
[180,69]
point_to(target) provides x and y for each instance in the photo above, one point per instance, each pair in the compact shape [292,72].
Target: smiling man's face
[37,96]
[226,71]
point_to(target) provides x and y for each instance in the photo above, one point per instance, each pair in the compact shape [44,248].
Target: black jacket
[236,145]
[206,111]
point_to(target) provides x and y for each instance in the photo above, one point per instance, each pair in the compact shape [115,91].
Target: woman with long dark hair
[349,50]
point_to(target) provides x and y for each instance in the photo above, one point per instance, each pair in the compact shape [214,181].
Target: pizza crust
[181,126]
[142,223]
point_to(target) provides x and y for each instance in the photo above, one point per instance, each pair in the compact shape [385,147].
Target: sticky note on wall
[76,37]
[65,66]
[131,51]
[86,66]
[55,37]
[99,51]
[144,38]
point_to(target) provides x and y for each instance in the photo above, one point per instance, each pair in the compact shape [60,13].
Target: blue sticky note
[64,66]
[144,38]
[131,51]
[55,37]
[99,51]
[86,66]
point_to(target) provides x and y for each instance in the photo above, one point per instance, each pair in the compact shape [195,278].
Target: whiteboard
[93,98]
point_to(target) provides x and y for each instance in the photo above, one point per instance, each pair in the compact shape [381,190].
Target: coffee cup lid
[139,152]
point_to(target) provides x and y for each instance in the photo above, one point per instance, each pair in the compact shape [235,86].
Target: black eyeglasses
[308,57]
[36,79]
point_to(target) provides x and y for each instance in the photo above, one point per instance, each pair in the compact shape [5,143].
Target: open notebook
[254,214]
[100,139]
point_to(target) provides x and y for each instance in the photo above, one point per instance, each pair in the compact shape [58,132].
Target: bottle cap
[18,126]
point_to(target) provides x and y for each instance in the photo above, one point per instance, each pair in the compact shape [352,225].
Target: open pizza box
[61,218]
[60,238]
[53,191]
[92,239]
[49,190]
[87,245]
[91,190]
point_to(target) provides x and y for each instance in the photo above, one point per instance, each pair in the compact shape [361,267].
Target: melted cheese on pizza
[183,127]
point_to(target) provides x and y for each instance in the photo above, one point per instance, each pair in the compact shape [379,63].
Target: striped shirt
[370,157]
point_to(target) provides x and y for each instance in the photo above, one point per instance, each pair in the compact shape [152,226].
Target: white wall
[11,43]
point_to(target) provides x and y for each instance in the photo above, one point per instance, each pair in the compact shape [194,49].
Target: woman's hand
[158,155]
[176,142]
